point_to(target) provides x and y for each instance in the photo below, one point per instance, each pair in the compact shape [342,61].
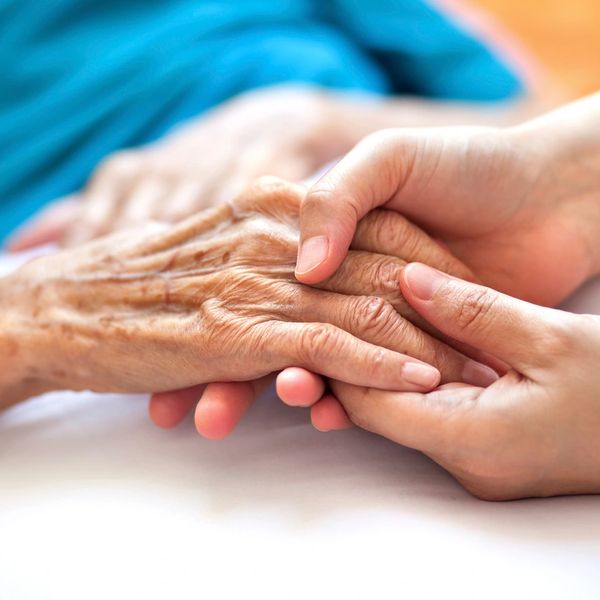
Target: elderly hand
[212,299]
[534,432]
[518,206]
[220,406]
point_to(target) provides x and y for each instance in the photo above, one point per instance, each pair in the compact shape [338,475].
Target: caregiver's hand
[536,431]
[519,206]
[211,299]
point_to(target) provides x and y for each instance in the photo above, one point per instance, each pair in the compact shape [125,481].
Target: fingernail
[313,252]
[421,375]
[423,281]
[480,375]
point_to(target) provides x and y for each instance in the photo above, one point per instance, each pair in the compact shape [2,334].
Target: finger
[387,232]
[142,202]
[375,320]
[103,196]
[329,415]
[46,227]
[299,387]
[223,405]
[430,422]
[333,352]
[379,275]
[521,334]
[168,409]
[184,200]
[367,177]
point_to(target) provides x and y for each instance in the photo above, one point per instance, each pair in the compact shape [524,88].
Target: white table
[97,503]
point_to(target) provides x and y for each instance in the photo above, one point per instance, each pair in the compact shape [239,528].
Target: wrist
[20,374]
[565,146]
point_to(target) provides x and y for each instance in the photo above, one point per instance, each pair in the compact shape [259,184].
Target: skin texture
[285,131]
[518,206]
[534,432]
[215,299]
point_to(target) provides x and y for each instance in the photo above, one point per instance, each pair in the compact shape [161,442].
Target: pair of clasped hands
[520,208]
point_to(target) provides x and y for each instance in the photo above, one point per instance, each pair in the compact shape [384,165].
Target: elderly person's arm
[215,299]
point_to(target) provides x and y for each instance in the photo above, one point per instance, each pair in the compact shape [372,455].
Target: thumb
[510,329]
[367,177]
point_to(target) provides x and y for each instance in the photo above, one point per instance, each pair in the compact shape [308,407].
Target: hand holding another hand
[534,432]
[211,299]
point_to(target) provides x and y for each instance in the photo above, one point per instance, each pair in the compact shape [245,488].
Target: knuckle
[315,341]
[387,273]
[375,364]
[435,353]
[318,197]
[375,316]
[473,308]
[401,234]
[324,199]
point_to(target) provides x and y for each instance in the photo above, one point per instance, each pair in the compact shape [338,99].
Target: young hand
[535,431]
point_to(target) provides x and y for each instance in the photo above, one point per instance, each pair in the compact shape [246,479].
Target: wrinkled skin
[214,299]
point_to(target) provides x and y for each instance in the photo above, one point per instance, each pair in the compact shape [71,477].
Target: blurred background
[164,80]
[562,35]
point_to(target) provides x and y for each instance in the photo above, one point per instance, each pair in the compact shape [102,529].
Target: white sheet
[97,503]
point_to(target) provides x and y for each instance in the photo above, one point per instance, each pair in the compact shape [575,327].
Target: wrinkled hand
[535,432]
[215,299]
[281,131]
[223,404]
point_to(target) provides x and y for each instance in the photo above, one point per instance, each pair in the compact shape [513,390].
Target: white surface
[97,503]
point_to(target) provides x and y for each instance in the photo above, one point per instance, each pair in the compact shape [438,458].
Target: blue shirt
[83,78]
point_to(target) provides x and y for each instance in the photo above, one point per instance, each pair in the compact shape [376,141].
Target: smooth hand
[535,431]
[519,206]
